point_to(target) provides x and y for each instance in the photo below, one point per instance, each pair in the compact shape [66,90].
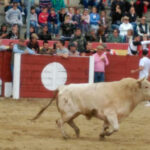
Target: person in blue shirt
[22,49]
[94,19]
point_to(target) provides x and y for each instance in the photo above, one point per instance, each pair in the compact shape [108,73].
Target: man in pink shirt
[100,61]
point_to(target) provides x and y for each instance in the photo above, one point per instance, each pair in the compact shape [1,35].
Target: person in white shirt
[125,26]
[144,68]
[133,45]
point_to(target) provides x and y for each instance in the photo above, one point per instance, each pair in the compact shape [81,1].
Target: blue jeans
[54,29]
[99,77]
[35,25]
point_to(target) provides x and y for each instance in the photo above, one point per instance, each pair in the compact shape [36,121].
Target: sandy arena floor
[17,132]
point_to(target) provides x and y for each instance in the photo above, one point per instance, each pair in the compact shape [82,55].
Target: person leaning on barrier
[20,48]
[73,50]
[61,50]
[133,45]
[46,49]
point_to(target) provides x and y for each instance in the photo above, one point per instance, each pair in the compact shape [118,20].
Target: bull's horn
[141,80]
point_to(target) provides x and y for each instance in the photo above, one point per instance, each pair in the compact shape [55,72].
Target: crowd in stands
[52,20]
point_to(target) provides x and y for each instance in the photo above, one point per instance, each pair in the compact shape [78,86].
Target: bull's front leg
[104,130]
[113,121]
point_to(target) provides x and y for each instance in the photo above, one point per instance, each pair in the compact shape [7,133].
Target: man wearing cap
[100,61]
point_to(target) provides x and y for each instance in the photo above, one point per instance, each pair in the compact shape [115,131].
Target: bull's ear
[140,82]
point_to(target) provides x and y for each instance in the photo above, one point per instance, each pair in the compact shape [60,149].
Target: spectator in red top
[43,16]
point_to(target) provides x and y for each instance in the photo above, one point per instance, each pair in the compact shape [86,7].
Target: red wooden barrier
[119,46]
[5,71]
[121,66]
[36,78]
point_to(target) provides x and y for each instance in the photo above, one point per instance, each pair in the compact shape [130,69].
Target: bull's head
[144,86]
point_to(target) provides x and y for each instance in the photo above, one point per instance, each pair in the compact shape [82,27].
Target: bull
[110,102]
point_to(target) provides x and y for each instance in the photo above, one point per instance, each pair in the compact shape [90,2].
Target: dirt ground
[17,132]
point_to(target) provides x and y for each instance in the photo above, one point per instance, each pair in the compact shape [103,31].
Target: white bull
[110,102]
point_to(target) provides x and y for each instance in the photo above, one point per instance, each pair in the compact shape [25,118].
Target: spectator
[143,27]
[104,21]
[128,4]
[115,37]
[53,23]
[46,49]
[101,34]
[31,31]
[133,46]
[3,32]
[21,48]
[129,37]
[45,3]
[62,15]
[14,16]
[94,19]
[132,18]
[33,43]
[91,36]
[67,28]
[14,33]
[58,4]
[116,17]
[141,7]
[77,18]
[44,34]
[70,12]
[11,6]
[117,4]
[11,46]
[73,50]
[43,17]
[125,26]
[100,61]
[85,21]
[34,19]
[80,40]
[89,48]
[61,49]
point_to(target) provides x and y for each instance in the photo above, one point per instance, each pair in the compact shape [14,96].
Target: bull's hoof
[66,137]
[102,137]
[77,133]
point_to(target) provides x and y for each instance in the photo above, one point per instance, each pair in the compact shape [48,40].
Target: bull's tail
[43,109]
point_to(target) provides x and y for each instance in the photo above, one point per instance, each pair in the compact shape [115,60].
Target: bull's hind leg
[74,126]
[60,123]
[68,118]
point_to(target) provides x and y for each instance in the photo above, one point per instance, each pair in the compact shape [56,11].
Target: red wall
[32,66]
[5,71]
[120,67]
